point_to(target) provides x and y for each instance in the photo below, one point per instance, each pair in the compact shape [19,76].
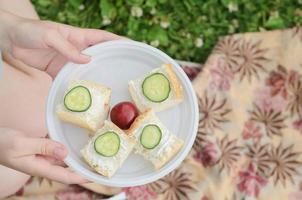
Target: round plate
[114,64]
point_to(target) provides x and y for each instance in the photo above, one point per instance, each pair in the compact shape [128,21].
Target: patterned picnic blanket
[249,141]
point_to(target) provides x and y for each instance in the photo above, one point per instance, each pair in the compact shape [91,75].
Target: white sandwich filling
[166,145]
[137,84]
[108,164]
[97,112]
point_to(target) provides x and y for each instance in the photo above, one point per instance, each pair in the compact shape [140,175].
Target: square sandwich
[86,104]
[108,149]
[160,89]
[153,140]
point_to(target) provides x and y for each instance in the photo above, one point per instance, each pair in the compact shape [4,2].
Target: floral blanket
[250,96]
[249,143]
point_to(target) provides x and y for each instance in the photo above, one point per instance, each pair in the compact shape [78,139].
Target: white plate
[113,64]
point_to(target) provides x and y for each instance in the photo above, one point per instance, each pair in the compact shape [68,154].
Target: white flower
[188,35]
[106,21]
[164,24]
[136,11]
[204,18]
[274,14]
[153,11]
[155,20]
[231,28]
[235,23]
[61,16]
[262,29]
[233,7]
[199,42]
[154,43]
[81,7]
[298,12]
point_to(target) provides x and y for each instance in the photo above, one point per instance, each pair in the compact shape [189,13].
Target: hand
[47,45]
[35,156]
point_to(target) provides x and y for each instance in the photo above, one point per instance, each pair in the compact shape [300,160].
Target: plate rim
[106,181]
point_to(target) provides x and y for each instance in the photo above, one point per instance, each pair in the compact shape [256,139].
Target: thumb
[44,146]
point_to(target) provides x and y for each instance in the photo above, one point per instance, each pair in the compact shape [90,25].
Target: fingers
[56,41]
[22,156]
[45,169]
[94,36]
[52,160]
[42,146]
[64,175]
[48,163]
[38,166]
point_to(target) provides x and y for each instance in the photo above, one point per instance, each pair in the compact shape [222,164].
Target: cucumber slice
[150,136]
[78,99]
[156,87]
[107,144]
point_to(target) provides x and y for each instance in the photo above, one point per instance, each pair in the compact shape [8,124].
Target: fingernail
[85,57]
[59,153]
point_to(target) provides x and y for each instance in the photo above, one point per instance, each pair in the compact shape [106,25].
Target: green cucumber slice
[78,99]
[107,144]
[150,136]
[156,87]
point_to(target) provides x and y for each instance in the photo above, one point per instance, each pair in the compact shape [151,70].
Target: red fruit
[123,114]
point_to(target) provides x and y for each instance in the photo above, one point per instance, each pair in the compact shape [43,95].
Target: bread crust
[176,144]
[71,118]
[135,97]
[139,119]
[143,104]
[176,148]
[176,86]
[97,168]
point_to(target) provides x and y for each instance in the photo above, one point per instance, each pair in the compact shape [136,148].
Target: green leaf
[151,3]
[75,3]
[133,25]
[135,2]
[157,33]
[44,3]
[274,23]
[123,13]
[107,9]
[96,22]
[209,19]
[227,2]
[162,1]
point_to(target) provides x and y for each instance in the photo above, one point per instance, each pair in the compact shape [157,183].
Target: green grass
[178,27]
